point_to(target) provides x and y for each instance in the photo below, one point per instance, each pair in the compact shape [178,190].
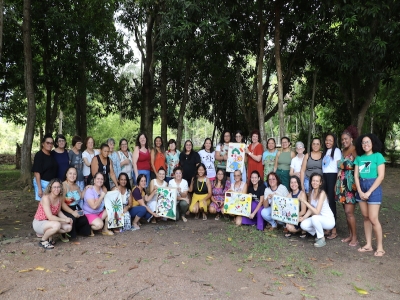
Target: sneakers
[320,243]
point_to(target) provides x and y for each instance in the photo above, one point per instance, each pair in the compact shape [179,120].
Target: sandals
[288,235]
[108,232]
[332,236]
[204,217]
[184,219]
[46,245]
[363,249]
[379,253]
[216,217]
[51,241]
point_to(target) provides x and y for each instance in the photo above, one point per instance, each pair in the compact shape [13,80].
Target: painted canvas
[285,209]
[236,157]
[166,202]
[115,210]
[237,204]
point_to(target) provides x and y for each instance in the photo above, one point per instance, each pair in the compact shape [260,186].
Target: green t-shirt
[368,165]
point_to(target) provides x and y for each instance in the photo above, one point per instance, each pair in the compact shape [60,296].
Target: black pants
[80,225]
[329,188]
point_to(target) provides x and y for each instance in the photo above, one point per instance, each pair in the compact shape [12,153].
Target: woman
[312,163]
[297,161]
[319,216]
[239,139]
[256,189]
[296,192]
[219,187]
[154,184]
[44,167]
[113,155]
[75,160]
[274,188]
[125,159]
[331,155]
[60,154]
[93,205]
[345,185]
[139,198]
[141,158]
[182,198]
[254,155]
[207,156]
[103,164]
[201,189]
[172,159]
[157,155]
[87,157]
[221,152]
[282,161]
[369,173]
[70,206]
[189,160]
[268,158]
[49,218]
[124,187]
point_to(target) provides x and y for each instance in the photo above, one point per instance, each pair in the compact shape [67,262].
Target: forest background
[190,69]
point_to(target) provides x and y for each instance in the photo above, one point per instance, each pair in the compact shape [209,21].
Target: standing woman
[221,152]
[102,164]
[60,154]
[268,158]
[126,159]
[75,160]
[369,173]
[319,216]
[141,158]
[157,156]
[87,156]
[113,155]
[182,198]
[239,139]
[172,159]
[331,155]
[49,218]
[282,161]
[254,155]
[154,184]
[207,156]
[256,189]
[70,206]
[201,188]
[345,184]
[93,204]
[312,163]
[189,160]
[297,161]
[219,187]
[44,167]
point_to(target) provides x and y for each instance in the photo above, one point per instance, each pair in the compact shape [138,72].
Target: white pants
[317,224]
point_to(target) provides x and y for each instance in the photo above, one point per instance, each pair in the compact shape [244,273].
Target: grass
[9,175]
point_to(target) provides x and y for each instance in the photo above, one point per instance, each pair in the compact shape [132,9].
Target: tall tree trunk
[164,116]
[1,26]
[81,102]
[26,157]
[310,125]
[182,108]
[373,88]
[279,67]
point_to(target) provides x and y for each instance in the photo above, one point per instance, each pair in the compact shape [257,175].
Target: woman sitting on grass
[296,192]
[49,218]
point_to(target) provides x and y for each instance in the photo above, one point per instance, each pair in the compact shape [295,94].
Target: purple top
[91,194]
[219,193]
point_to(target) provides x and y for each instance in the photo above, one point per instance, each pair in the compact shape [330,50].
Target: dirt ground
[195,260]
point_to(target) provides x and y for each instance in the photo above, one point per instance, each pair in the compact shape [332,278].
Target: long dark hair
[204,147]
[297,180]
[259,178]
[162,143]
[278,181]
[334,146]
[221,140]
[137,140]
[128,183]
[223,181]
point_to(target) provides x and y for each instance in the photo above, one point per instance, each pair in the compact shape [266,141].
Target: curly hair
[297,180]
[351,131]
[47,190]
[137,140]
[222,140]
[256,131]
[278,181]
[376,143]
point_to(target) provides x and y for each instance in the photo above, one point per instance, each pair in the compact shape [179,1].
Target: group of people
[71,185]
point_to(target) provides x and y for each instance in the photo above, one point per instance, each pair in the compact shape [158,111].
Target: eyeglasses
[49,143]
[366,143]
[61,141]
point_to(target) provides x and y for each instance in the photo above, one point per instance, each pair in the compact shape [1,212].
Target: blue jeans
[139,211]
[266,214]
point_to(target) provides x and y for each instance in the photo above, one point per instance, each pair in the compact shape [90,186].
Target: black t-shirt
[45,165]
[258,193]
[188,163]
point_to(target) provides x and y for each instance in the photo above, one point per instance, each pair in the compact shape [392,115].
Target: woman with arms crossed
[369,173]
[189,160]
[103,164]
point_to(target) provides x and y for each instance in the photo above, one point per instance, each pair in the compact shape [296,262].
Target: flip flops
[379,253]
[363,249]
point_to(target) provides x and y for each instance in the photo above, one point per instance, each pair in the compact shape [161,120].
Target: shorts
[92,217]
[38,226]
[44,185]
[375,197]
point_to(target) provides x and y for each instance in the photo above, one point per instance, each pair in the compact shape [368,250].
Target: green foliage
[9,176]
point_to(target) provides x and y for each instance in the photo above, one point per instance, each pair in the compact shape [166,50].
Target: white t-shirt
[183,185]
[329,165]
[296,163]
[208,159]
[281,191]
[89,157]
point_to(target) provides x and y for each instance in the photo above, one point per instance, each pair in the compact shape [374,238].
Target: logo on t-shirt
[365,167]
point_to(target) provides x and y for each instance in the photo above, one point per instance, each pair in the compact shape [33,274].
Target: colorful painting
[166,202]
[115,210]
[285,209]
[237,204]
[236,157]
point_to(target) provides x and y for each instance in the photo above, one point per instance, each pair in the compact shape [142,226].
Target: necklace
[202,184]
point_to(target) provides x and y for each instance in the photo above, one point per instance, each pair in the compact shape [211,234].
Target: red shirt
[253,165]
[143,162]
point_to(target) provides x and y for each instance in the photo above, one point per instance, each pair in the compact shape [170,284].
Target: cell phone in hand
[80,212]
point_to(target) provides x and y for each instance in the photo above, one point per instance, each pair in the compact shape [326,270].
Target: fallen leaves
[133,267]
[229,239]
[360,291]
[109,272]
